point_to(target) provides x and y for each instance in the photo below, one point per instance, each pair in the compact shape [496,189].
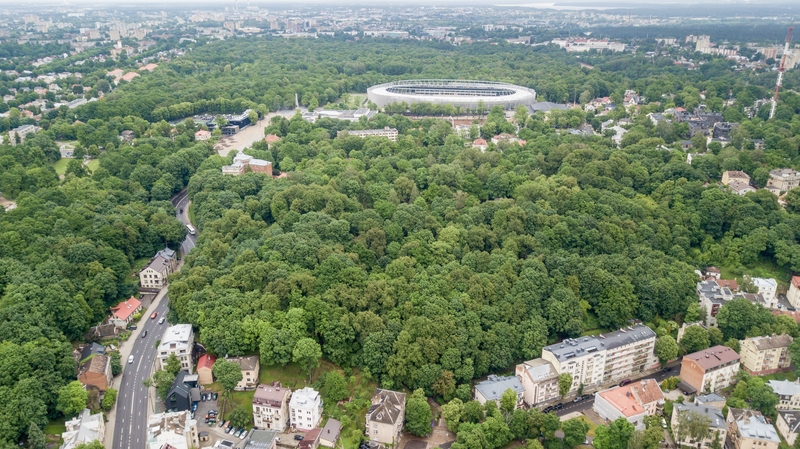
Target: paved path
[246,137]
[127,422]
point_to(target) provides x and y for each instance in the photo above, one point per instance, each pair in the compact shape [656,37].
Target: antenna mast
[781,69]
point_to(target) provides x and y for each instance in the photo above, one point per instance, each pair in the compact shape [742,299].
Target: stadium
[460,93]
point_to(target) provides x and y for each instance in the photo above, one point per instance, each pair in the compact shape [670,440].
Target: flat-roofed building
[735,175]
[783,179]
[172,430]
[178,340]
[539,380]
[305,409]
[389,133]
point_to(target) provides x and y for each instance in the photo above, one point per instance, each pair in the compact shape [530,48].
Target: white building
[788,393]
[494,386]
[793,295]
[175,430]
[539,380]
[768,289]
[85,428]
[178,340]
[305,409]
[389,133]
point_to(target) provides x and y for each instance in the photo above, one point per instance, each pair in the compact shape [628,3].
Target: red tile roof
[125,309]
[206,361]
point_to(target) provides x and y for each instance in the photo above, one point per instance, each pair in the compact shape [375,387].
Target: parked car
[548,409]
[587,396]
[161,321]
[216,395]
[154,315]
[298,437]
[667,369]
[558,406]
[132,327]
[194,406]
[181,210]
[228,429]
[244,434]
[222,423]
[144,334]
[624,382]
[663,423]
[578,399]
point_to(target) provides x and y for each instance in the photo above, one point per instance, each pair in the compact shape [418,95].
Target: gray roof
[166,253]
[158,263]
[331,430]
[713,414]
[261,439]
[784,387]
[540,370]
[752,424]
[546,106]
[575,347]
[792,419]
[92,349]
[494,387]
[711,397]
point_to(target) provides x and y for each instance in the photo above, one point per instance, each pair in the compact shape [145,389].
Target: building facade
[717,425]
[385,417]
[305,409]
[793,295]
[178,340]
[154,274]
[748,429]
[539,381]
[711,369]
[788,393]
[387,132]
[735,175]
[250,368]
[271,407]
[82,429]
[767,288]
[788,425]
[766,355]
[783,179]
[494,386]
[172,429]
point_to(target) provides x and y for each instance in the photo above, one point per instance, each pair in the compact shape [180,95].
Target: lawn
[763,267]
[55,427]
[591,424]
[61,166]
[93,165]
[789,375]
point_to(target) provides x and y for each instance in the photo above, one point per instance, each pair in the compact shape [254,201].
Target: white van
[130,359]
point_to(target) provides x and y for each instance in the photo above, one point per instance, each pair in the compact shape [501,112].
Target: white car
[130,359]
[161,321]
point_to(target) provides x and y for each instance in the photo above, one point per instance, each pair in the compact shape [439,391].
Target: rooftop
[713,414]
[771,341]
[571,348]
[713,357]
[158,264]
[631,399]
[752,424]
[272,395]
[206,361]
[785,387]
[179,333]
[765,283]
[494,386]
[540,369]
[261,439]
[248,363]
[304,398]
[792,419]
[387,406]
[125,309]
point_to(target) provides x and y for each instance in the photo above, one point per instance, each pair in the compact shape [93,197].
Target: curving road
[130,425]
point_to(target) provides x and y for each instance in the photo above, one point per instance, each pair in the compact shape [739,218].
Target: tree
[36,438]
[691,424]
[96,444]
[695,338]
[452,414]
[116,363]
[418,414]
[564,383]
[574,432]
[72,398]
[240,417]
[666,349]
[163,381]
[739,315]
[613,436]
[508,402]
[307,353]
[335,386]
[108,399]
[173,365]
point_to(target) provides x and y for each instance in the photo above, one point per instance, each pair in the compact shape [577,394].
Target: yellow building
[766,355]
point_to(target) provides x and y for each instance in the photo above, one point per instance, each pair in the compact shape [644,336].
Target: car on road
[666,370]
[624,382]
[144,334]
[578,399]
[548,409]
[130,359]
[298,437]
[181,209]
[587,396]
[161,321]
[558,406]
[154,315]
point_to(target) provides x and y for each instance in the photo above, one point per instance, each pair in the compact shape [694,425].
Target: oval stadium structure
[459,93]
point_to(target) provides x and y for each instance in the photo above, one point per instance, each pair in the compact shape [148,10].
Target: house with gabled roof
[385,417]
[122,313]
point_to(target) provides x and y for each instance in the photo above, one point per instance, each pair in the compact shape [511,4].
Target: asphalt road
[130,427]
[587,404]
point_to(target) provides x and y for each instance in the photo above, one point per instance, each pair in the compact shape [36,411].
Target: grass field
[61,166]
[93,165]
[764,268]
[55,427]
[790,375]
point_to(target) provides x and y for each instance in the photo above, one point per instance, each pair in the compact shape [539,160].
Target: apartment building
[735,175]
[711,369]
[305,409]
[385,417]
[593,361]
[493,388]
[271,406]
[539,380]
[717,424]
[783,179]
[175,430]
[766,355]
[250,368]
[788,425]
[748,429]
[83,429]
[242,161]
[767,288]
[178,340]
[712,296]
[632,402]
[387,132]
[793,295]
[788,393]
[154,274]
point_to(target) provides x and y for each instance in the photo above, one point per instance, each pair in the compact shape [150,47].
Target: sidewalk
[125,350]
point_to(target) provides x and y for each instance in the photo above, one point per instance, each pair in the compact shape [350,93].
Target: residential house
[103,331]
[748,429]
[178,340]
[122,313]
[788,425]
[385,417]
[271,139]
[741,188]
[480,144]
[330,433]
[310,439]
[766,355]
[127,136]
[767,288]
[249,366]
[305,409]
[154,274]
[271,407]
[83,429]
[95,371]
[711,369]
[539,380]
[494,386]
[182,392]
[175,430]
[507,138]
[596,360]
[783,179]
[717,424]
[632,402]
[205,365]
[711,400]
[18,134]
[712,297]
[793,295]
[387,132]
[242,161]
[788,393]
[735,175]
[202,135]
[262,439]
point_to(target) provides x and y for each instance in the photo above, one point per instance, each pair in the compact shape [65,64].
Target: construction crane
[781,69]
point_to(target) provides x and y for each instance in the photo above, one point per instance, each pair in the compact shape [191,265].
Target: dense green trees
[72,398]
[418,414]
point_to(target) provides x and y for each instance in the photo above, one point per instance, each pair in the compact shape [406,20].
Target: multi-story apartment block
[712,297]
[539,380]
[271,407]
[788,425]
[711,369]
[172,430]
[766,355]
[788,393]
[305,409]
[717,425]
[783,179]
[178,340]
[793,295]
[748,429]
[593,361]
[767,288]
[385,417]
[735,175]
[154,275]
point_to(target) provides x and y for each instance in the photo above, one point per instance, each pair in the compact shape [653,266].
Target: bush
[109,399]
[116,364]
